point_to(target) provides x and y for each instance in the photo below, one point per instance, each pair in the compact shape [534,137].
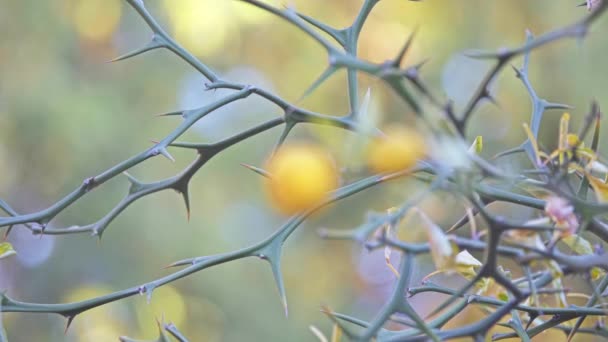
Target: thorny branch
[480,186]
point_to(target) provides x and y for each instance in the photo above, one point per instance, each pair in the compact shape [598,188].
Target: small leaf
[477,145]
[503,296]
[596,134]
[6,250]
[534,144]
[466,263]
[600,188]
[597,273]
[484,285]
[578,244]
[573,140]
[563,136]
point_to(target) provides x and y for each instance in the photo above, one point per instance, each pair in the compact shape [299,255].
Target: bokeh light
[166,302]
[96,20]
[103,323]
[202,26]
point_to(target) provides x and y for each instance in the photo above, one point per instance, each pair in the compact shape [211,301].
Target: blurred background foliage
[66,114]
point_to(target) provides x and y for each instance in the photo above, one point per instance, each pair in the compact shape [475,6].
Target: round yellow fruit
[398,150]
[300,176]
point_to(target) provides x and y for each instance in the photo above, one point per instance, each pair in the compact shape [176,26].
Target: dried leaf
[442,251]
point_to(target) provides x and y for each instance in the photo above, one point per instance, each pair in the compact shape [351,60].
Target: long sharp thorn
[166,154]
[69,323]
[551,105]
[408,43]
[275,265]
[152,45]
[322,78]
[257,170]
[186,197]
[174,113]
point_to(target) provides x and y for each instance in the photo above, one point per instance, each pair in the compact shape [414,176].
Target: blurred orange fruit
[398,150]
[300,176]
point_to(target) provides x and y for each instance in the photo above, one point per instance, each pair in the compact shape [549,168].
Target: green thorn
[274,258]
[322,78]
[166,154]
[136,185]
[335,34]
[155,43]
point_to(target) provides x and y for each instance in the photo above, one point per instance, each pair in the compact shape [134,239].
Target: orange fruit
[398,150]
[301,176]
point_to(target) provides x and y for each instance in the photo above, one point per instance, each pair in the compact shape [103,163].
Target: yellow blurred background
[66,114]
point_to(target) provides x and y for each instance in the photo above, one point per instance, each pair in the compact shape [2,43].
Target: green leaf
[6,250]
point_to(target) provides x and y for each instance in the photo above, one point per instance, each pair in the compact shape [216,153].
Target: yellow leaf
[6,250]
[578,244]
[534,143]
[477,145]
[483,285]
[597,273]
[336,334]
[599,187]
[466,263]
[573,140]
[563,136]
